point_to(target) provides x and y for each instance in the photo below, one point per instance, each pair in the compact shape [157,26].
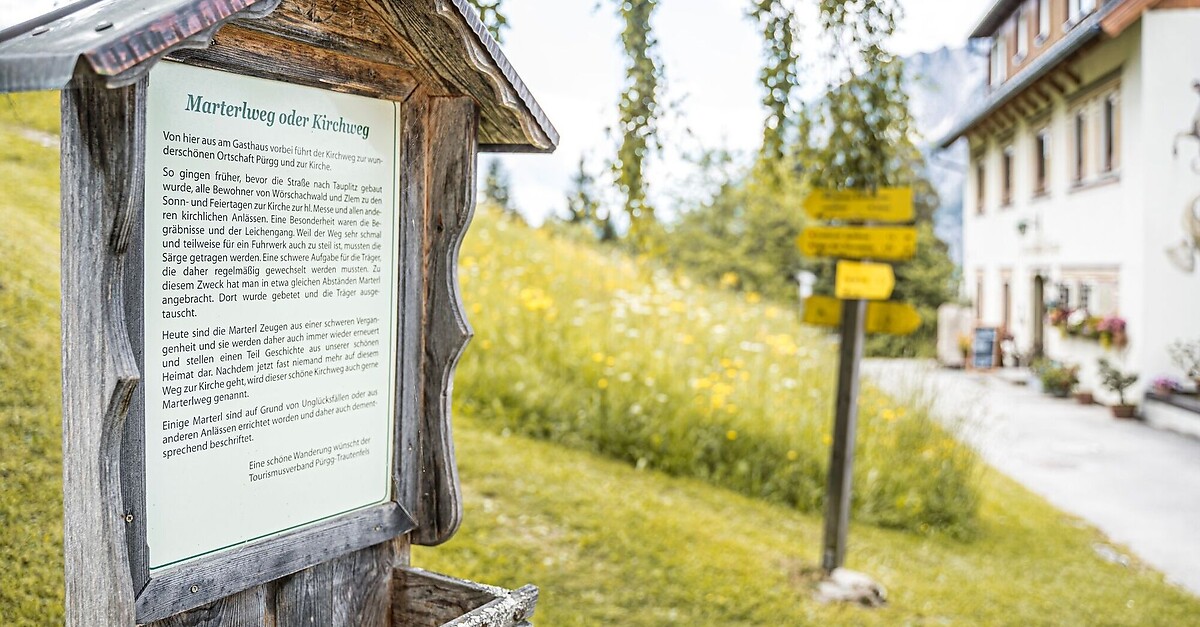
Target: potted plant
[1084,397]
[1186,355]
[1118,382]
[1059,379]
[1166,385]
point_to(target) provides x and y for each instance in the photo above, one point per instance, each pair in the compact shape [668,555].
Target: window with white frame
[1043,19]
[979,294]
[1006,176]
[1079,9]
[1079,144]
[1110,133]
[999,58]
[1096,290]
[1021,24]
[1041,161]
[1096,135]
[980,185]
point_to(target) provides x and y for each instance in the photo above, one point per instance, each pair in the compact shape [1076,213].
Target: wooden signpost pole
[860,234]
[841,456]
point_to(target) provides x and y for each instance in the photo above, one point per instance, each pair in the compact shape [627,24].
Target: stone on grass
[848,586]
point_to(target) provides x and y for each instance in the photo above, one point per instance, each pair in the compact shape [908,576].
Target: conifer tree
[496,187]
[584,207]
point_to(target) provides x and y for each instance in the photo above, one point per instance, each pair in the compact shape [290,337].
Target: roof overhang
[1083,34]
[120,40]
[994,18]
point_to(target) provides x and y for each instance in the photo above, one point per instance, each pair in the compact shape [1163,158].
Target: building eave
[1086,32]
[994,18]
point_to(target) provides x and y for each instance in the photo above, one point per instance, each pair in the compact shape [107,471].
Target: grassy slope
[607,544]
[30,445]
[583,346]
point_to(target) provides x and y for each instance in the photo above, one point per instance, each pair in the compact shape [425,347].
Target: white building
[1075,198]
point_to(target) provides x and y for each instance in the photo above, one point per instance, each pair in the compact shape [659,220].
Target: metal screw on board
[128,518]
[103,26]
[195,588]
[378,527]
[41,30]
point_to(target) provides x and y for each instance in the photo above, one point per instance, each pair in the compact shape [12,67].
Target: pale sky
[568,53]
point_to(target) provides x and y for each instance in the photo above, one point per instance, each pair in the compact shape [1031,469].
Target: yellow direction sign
[866,281]
[889,204]
[822,311]
[889,243]
[892,318]
[882,317]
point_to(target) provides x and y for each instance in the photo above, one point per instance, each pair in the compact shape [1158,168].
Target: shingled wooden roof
[437,45]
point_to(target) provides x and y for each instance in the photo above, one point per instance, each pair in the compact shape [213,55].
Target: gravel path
[1139,485]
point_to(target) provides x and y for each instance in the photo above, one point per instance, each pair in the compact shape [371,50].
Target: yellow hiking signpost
[887,243]
[893,204]
[868,281]
[889,318]
[857,282]
[892,318]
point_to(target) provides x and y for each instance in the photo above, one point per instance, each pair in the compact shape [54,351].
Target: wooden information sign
[271,309]
[893,204]
[868,281]
[884,243]
[984,348]
[261,317]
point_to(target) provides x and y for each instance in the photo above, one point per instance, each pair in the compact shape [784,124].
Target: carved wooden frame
[108,580]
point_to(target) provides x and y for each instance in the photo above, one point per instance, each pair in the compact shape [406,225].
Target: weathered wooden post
[855,234]
[262,206]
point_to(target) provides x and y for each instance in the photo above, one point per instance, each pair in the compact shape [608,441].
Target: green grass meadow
[31,585]
[645,450]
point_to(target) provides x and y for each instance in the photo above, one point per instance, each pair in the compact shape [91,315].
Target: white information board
[270,307]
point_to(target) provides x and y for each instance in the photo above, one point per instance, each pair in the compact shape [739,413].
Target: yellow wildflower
[731,435]
[602,384]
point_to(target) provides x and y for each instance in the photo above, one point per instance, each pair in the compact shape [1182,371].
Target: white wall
[1126,223]
[1070,228]
[1170,299]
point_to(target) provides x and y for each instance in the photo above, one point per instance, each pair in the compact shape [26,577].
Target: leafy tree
[779,74]
[868,144]
[496,187]
[639,112]
[493,19]
[748,230]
